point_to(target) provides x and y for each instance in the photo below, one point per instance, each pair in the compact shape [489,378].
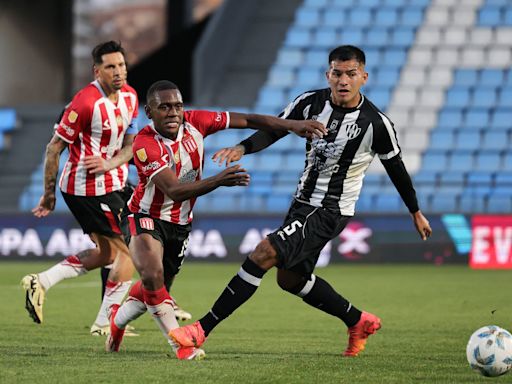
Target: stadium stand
[440,69]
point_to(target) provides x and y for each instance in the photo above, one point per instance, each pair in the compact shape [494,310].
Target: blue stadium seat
[380,97]
[290,56]
[272,97]
[489,16]
[359,17]
[472,203]
[442,140]
[352,36]
[491,77]
[365,203]
[450,118]
[377,37]
[499,204]
[505,98]
[386,76]
[426,177]
[269,161]
[307,17]
[412,17]
[457,97]
[386,17]
[278,203]
[394,57]
[501,119]
[467,140]
[388,203]
[294,161]
[281,76]
[504,179]
[316,3]
[434,161]
[483,98]
[7,119]
[461,161]
[252,203]
[325,38]
[465,77]
[402,37]
[316,58]
[476,119]
[298,38]
[479,178]
[495,140]
[507,162]
[452,178]
[334,18]
[443,202]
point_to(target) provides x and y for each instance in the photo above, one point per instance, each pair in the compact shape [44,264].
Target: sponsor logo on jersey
[147,223]
[352,130]
[154,165]
[106,125]
[72,116]
[218,117]
[70,131]
[141,154]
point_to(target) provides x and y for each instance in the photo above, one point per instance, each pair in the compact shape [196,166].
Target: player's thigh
[176,239]
[146,254]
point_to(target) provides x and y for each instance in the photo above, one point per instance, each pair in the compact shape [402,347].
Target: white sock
[114,294]
[68,268]
[164,316]
[130,310]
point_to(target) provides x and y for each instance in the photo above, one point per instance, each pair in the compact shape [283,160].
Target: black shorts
[173,237]
[305,232]
[97,214]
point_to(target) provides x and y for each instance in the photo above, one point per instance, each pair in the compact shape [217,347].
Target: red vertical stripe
[176,206]
[90,186]
[112,222]
[131,224]
[105,142]
[196,164]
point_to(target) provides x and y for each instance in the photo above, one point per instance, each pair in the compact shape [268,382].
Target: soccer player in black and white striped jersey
[324,201]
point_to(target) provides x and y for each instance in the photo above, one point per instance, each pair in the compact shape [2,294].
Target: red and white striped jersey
[94,126]
[153,153]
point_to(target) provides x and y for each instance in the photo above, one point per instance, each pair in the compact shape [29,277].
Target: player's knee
[152,278]
[264,255]
[290,284]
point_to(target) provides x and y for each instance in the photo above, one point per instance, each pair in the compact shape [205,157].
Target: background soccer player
[324,201]
[98,129]
[169,157]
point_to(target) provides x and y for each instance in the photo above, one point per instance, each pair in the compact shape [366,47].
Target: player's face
[165,108]
[111,73]
[345,78]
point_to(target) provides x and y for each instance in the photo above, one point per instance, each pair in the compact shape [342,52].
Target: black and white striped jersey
[335,164]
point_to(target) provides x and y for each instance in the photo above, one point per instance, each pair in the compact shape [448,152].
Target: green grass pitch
[428,314]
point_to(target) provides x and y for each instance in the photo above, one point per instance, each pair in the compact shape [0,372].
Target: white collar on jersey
[165,139]
[103,94]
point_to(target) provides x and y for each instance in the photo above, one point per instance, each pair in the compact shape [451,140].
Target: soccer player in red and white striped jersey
[98,128]
[169,155]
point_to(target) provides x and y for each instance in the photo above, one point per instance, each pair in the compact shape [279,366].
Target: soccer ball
[489,351]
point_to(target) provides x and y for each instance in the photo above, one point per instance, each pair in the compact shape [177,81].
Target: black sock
[104,277]
[322,296]
[238,291]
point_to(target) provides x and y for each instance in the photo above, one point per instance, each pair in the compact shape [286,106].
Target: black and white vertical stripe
[335,165]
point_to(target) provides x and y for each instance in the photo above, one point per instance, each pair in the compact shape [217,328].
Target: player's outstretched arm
[303,128]
[51,168]
[169,184]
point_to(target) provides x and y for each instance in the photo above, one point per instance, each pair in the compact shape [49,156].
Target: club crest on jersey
[72,116]
[177,157]
[352,130]
[141,154]
[147,223]
[189,144]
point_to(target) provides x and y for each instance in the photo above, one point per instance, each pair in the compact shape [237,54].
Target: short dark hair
[346,53]
[104,48]
[160,85]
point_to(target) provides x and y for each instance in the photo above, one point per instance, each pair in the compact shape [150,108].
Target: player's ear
[148,111]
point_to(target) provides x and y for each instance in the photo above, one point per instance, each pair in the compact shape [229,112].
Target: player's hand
[233,176]
[229,155]
[96,164]
[422,225]
[45,206]
[308,128]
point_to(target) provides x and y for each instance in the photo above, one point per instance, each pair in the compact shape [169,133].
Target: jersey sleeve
[133,127]
[150,156]
[76,116]
[208,122]
[385,142]
[296,109]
